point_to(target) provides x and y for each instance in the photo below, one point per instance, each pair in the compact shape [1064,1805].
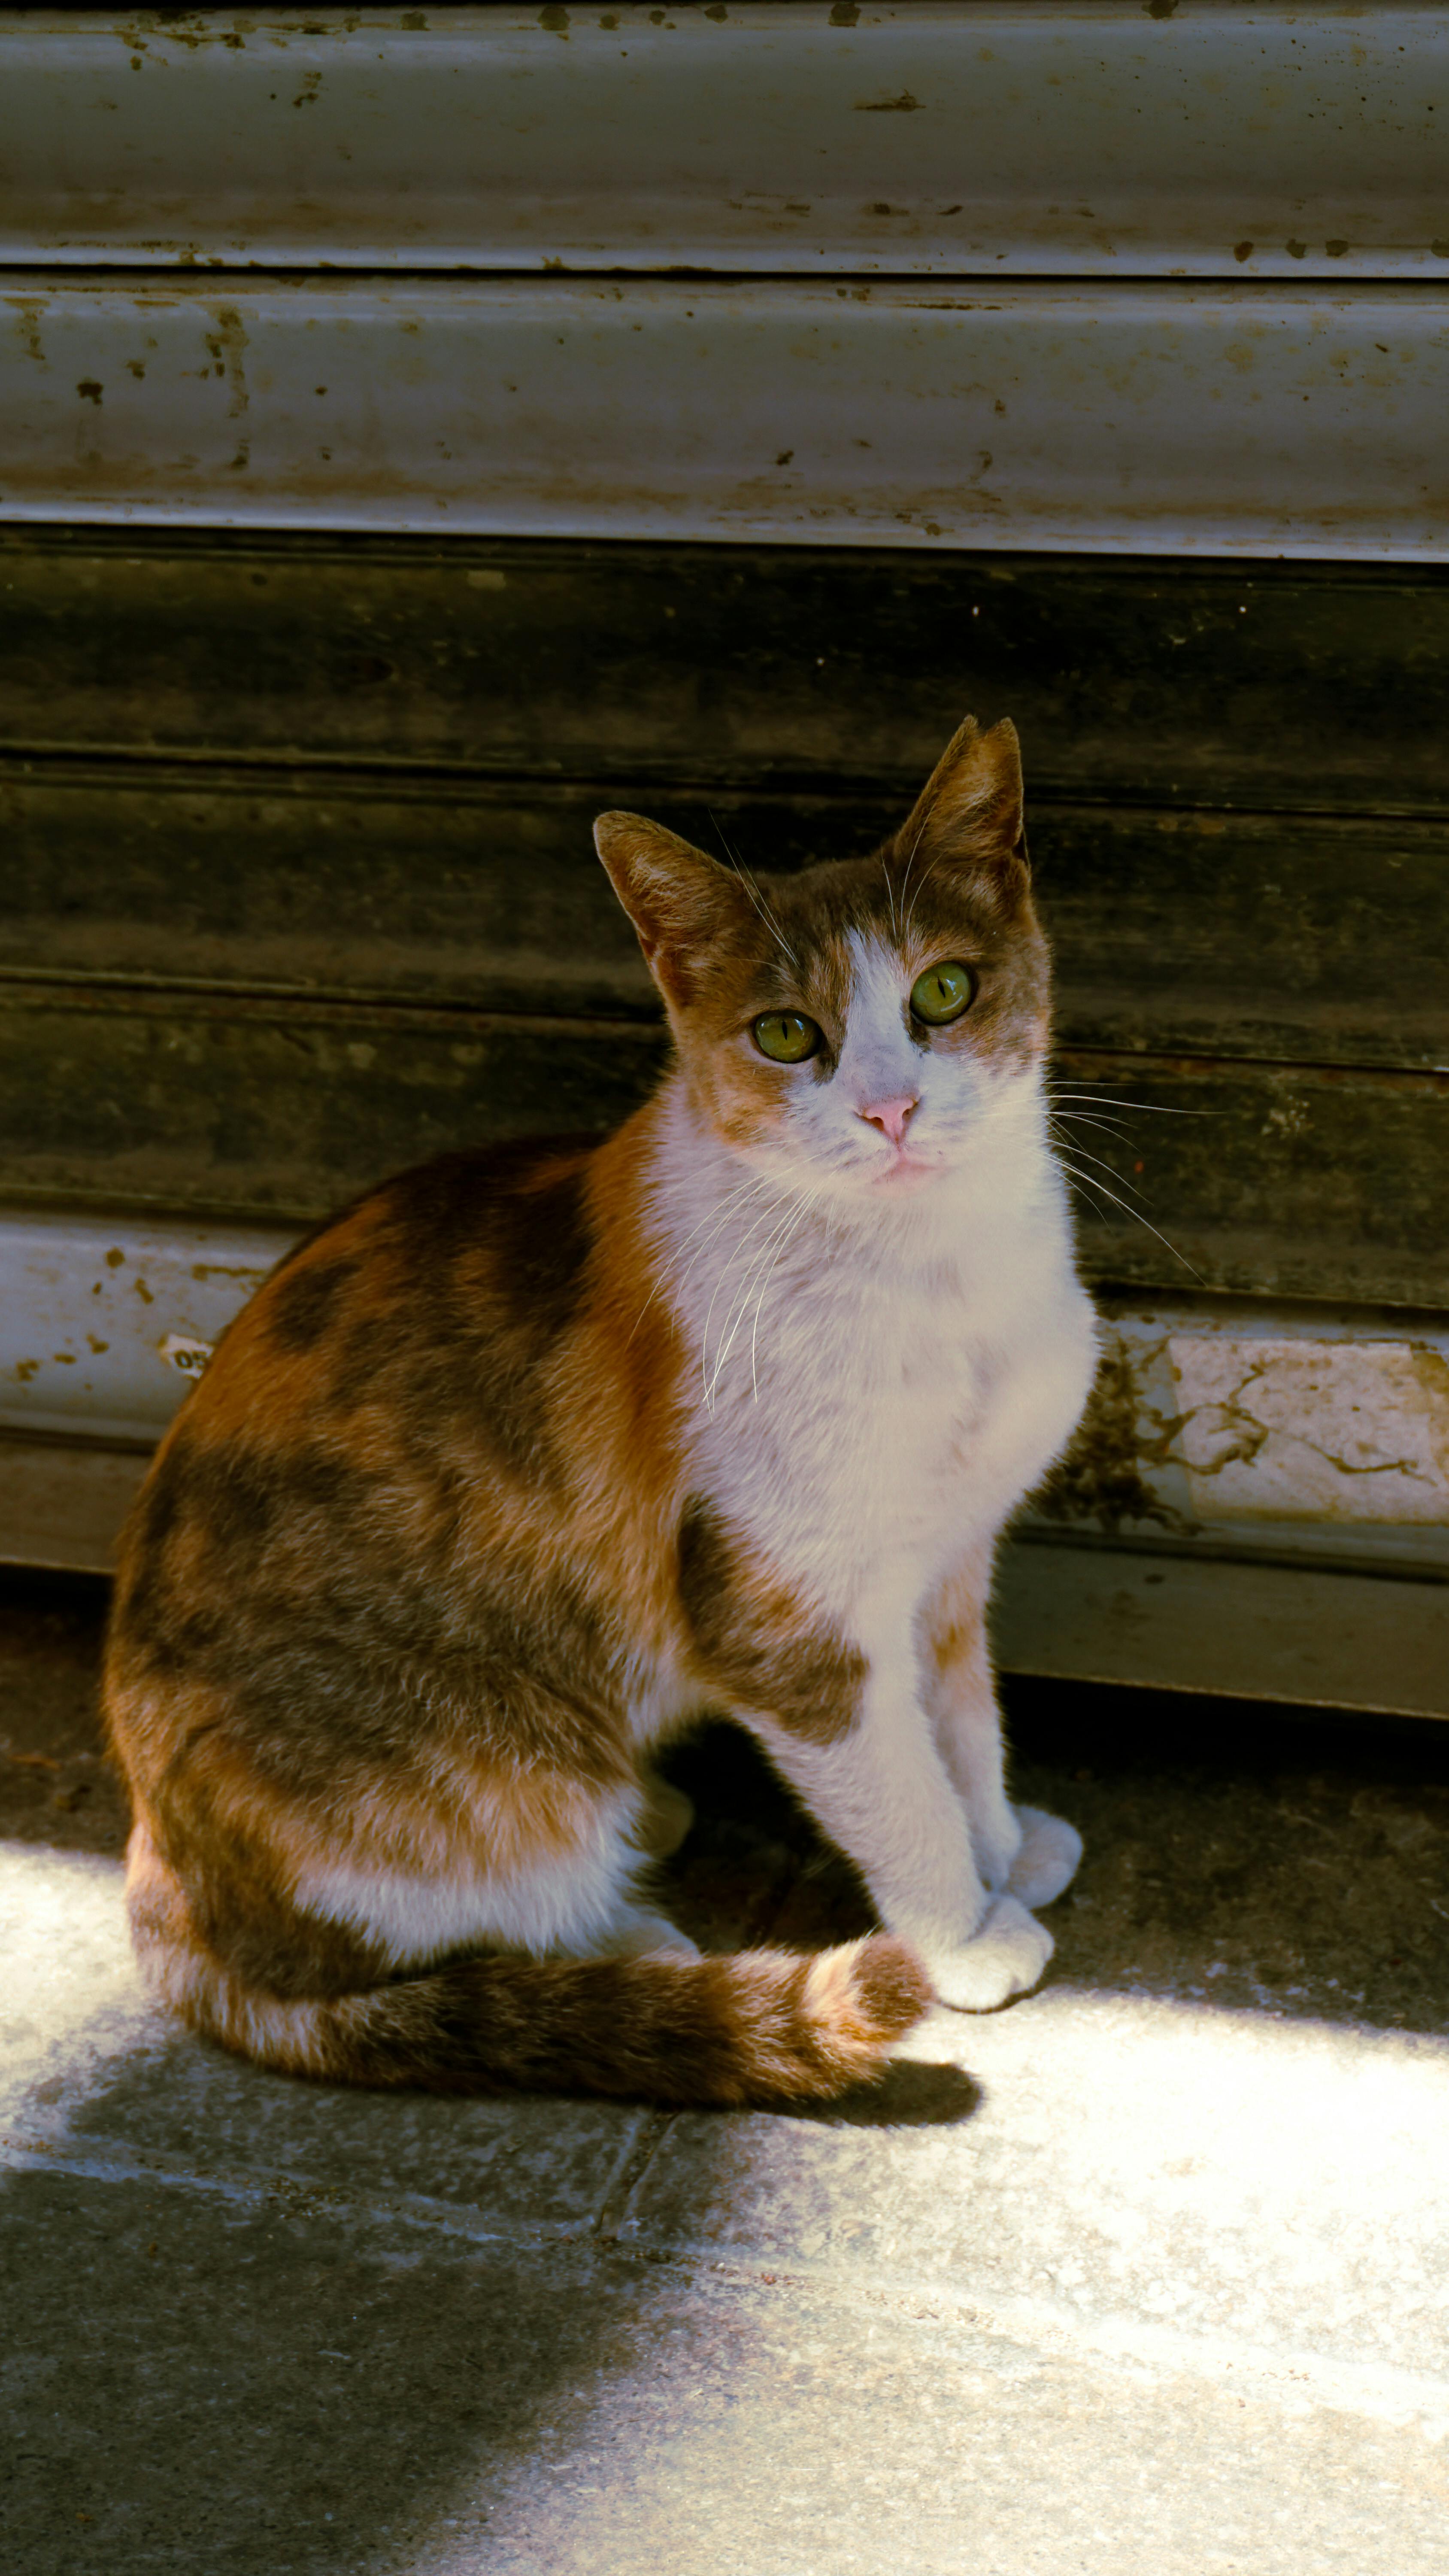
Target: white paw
[1007,1955]
[994,1848]
[1048,1858]
[636,1931]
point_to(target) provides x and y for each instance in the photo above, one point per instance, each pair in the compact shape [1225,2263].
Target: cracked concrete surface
[1150,2272]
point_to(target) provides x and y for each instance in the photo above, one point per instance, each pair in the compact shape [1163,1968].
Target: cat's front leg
[878,1786]
[1021,1850]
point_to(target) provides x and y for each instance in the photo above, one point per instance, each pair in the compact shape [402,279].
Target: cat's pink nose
[890,1115]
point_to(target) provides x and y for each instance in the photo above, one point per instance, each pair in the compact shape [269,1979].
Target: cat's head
[857,1026]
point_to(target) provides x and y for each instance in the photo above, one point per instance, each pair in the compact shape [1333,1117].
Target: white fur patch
[568,1906]
[879,1375]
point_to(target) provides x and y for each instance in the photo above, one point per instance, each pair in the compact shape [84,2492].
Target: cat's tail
[758,2026]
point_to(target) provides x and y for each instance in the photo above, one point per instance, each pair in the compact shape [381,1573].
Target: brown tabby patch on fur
[752,1642]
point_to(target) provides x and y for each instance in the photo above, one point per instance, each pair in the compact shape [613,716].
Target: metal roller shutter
[419,428]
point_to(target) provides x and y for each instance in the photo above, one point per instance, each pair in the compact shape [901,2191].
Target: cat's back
[394,1376]
[470,1254]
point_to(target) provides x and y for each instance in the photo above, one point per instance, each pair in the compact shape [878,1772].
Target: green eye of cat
[786,1037]
[943,993]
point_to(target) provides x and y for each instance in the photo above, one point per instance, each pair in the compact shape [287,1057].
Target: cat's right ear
[680,902]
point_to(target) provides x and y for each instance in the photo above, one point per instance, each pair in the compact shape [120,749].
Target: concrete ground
[1150,2272]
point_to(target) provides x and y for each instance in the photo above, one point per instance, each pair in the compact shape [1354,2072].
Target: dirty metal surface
[105,1324]
[298,887]
[1320,1635]
[1253,419]
[270,1111]
[1219,1425]
[488,895]
[1305,1634]
[1273,1585]
[1198,139]
[1316,689]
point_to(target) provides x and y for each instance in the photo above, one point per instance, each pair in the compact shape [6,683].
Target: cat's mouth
[906,1172]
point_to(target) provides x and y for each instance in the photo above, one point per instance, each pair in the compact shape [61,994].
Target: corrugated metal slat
[1000,137]
[1223,420]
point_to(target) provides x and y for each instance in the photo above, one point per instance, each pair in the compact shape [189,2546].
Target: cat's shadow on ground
[1239,1857]
[912,2094]
[756,1869]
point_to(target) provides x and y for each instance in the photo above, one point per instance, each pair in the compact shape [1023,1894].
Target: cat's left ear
[681,903]
[971,805]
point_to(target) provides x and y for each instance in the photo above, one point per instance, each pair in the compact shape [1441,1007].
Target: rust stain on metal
[228,346]
[27,310]
[1103,1476]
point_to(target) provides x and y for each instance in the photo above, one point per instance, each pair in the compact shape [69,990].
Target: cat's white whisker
[715,1219]
[756,895]
[1084,1184]
[737,1312]
[764,1289]
[1106,1167]
[761,1265]
[909,911]
[740,1251]
[1163,1239]
[1089,1118]
[1148,1108]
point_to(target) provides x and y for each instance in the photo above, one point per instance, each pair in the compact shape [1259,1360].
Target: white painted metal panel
[1251,420]
[105,1322]
[1242,1425]
[1004,137]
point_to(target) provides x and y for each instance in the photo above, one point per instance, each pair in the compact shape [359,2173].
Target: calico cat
[532,1455]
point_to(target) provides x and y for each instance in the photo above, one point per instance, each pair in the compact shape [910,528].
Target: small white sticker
[180,1352]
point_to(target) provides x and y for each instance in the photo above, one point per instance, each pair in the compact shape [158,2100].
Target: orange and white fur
[532,1456]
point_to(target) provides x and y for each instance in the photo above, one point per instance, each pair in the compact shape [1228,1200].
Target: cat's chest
[879,1422]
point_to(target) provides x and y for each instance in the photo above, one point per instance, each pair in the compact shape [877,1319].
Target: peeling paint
[1121,1440]
[1315,1430]
[1216,1422]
